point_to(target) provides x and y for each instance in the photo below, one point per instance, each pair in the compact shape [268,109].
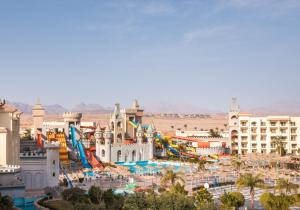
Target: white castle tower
[140,135]
[52,163]
[150,138]
[116,123]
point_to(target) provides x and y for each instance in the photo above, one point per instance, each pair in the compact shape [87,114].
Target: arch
[119,153]
[234,117]
[119,138]
[103,153]
[102,141]
[119,125]
[133,155]
[140,155]
[112,126]
[126,156]
[234,133]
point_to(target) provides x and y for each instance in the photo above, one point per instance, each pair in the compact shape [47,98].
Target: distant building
[250,134]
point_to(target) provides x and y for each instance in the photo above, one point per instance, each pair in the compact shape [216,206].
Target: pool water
[144,167]
[25,203]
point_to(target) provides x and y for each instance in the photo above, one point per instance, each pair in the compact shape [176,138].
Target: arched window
[53,162]
[119,125]
[103,153]
[112,126]
[53,174]
[133,156]
[119,138]
[119,153]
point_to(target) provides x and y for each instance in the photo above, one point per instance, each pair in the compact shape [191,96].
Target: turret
[135,104]
[140,134]
[107,148]
[52,163]
[150,138]
[98,133]
[116,113]
[38,113]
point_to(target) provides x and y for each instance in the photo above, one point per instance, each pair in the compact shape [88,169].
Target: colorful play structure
[63,152]
[87,157]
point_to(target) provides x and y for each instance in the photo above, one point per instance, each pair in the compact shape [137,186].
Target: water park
[125,156]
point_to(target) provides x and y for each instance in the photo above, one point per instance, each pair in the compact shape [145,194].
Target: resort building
[251,134]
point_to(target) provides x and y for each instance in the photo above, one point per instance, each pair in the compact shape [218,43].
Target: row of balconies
[245,123]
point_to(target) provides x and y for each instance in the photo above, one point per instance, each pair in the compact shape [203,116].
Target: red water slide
[39,140]
[92,160]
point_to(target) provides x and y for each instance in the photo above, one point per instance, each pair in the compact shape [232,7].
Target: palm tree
[6,202]
[172,127]
[225,125]
[201,165]
[172,177]
[195,128]
[279,145]
[185,126]
[251,181]
[237,163]
[284,184]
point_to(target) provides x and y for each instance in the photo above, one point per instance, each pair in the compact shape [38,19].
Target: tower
[52,165]
[38,113]
[139,134]
[233,124]
[116,124]
[135,105]
[150,138]
[107,145]
[99,140]
[72,118]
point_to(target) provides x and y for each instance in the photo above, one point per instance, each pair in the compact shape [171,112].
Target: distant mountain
[90,108]
[55,109]
[279,108]
[25,108]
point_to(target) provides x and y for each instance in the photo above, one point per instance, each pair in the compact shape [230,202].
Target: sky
[184,53]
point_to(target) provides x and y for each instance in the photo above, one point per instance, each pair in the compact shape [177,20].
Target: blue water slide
[174,151]
[82,155]
[73,136]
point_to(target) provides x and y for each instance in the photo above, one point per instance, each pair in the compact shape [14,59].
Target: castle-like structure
[124,139]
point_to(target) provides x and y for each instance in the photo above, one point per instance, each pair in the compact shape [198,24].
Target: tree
[237,163]
[113,201]
[251,181]
[214,133]
[185,126]
[75,195]
[172,177]
[172,127]
[279,145]
[96,194]
[232,199]
[178,189]
[203,199]
[195,128]
[172,201]
[284,184]
[136,201]
[201,165]
[6,202]
[270,201]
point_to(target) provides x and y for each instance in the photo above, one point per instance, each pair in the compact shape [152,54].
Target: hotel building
[251,134]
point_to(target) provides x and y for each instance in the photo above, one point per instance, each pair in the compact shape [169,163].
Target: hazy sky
[196,53]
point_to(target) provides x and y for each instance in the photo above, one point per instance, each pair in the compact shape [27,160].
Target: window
[103,153]
[263,138]
[244,138]
[293,130]
[53,174]
[253,145]
[273,123]
[253,124]
[263,123]
[53,162]
[263,146]
[283,123]
[292,123]
[253,138]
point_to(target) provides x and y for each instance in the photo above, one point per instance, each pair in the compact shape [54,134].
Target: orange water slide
[39,141]
[63,152]
[92,160]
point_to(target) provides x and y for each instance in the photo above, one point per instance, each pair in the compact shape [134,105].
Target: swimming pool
[144,167]
[26,203]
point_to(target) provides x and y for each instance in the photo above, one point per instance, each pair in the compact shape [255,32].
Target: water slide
[63,152]
[70,184]
[92,160]
[39,140]
[133,124]
[171,149]
[82,155]
[80,148]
